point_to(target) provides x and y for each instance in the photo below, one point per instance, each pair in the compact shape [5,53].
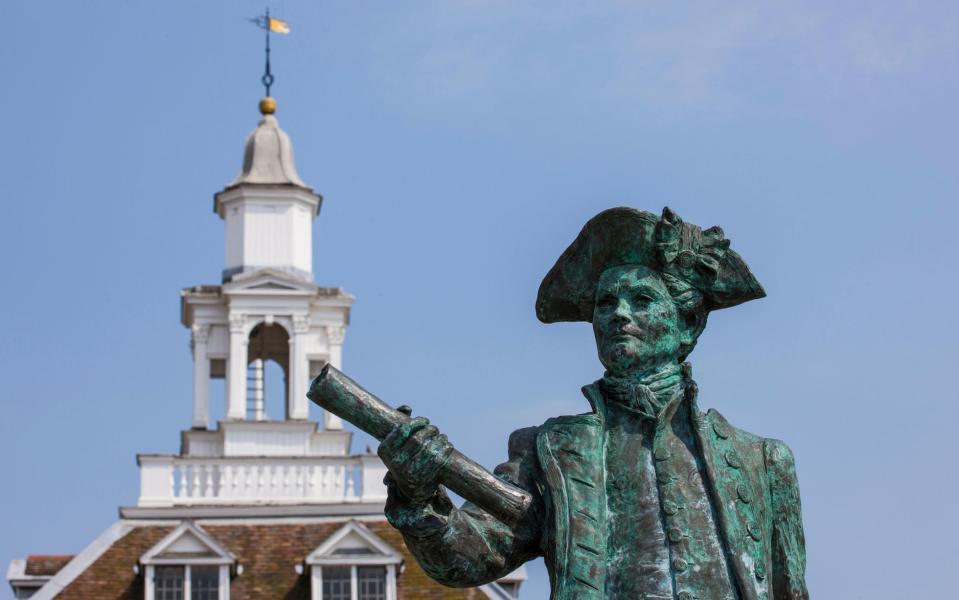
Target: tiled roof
[268,553]
[46,564]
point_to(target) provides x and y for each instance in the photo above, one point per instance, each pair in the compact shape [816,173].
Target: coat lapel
[572,457]
[740,502]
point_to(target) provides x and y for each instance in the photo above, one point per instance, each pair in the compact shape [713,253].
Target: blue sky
[460,146]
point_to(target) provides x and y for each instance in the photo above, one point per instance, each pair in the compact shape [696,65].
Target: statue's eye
[606,302]
[642,299]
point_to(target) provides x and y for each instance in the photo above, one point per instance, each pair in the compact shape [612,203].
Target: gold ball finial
[267,106]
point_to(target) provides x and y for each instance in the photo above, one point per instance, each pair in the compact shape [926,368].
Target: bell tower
[268,308]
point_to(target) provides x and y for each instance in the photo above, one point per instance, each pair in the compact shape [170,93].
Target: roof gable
[354,544]
[186,544]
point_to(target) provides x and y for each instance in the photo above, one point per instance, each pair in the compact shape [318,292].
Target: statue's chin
[620,360]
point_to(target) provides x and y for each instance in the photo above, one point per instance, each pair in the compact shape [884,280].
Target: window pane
[169,583]
[372,583]
[336,583]
[204,583]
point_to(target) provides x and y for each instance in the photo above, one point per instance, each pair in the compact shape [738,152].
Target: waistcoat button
[732,460]
[721,430]
[760,570]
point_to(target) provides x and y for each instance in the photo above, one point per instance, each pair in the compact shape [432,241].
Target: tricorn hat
[626,236]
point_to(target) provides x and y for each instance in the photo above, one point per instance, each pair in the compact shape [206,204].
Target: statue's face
[637,326]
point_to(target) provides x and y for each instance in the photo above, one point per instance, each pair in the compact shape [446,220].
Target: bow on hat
[626,236]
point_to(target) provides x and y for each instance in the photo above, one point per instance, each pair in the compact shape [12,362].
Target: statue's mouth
[627,331]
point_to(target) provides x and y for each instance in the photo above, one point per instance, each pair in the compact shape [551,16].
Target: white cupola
[268,319]
[268,308]
[268,209]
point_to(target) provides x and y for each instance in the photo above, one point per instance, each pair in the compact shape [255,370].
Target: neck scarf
[646,396]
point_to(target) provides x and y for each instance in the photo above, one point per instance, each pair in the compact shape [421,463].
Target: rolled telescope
[337,393]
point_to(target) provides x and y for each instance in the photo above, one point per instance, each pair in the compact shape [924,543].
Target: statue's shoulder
[780,462]
[722,428]
[522,442]
[776,454]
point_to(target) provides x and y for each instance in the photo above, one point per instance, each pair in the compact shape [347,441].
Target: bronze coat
[751,481]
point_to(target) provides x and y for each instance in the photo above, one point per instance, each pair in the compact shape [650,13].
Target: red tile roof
[269,554]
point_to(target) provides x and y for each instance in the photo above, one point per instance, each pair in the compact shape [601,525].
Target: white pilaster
[201,377]
[236,369]
[334,337]
[297,408]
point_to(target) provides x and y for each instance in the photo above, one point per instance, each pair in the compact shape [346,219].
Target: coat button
[663,477]
[732,460]
[743,492]
[680,565]
[670,507]
[760,570]
[754,531]
[662,454]
[675,535]
[721,430]
[684,596]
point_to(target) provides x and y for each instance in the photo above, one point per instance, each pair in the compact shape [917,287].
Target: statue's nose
[622,314]
[620,318]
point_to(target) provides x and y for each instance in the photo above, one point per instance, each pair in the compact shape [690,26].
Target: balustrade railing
[175,480]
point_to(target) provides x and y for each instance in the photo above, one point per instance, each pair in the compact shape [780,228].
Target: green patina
[645,496]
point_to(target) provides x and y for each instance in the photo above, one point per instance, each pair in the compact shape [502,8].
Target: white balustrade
[182,481]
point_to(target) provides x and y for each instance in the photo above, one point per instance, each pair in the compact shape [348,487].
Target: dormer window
[187,564]
[196,582]
[354,564]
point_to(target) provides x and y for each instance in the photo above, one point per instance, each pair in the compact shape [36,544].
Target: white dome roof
[268,157]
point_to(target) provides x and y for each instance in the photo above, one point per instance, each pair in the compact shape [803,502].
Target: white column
[335,335]
[201,377]
[236,369]
[297,407]
[334,338]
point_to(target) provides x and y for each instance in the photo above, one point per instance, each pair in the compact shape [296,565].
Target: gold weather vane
[270,25]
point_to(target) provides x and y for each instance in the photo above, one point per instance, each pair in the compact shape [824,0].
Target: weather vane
[270,25]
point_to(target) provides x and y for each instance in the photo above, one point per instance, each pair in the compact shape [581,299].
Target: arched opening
[265,397]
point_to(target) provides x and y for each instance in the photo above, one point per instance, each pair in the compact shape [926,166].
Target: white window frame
[381,555]
[218,557]
[317,579]
[223,588]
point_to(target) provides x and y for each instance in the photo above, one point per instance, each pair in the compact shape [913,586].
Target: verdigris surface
[645,496]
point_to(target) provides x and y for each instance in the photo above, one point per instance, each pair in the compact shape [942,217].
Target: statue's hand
[414,453]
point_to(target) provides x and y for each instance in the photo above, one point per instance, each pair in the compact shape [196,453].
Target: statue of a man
[645,496]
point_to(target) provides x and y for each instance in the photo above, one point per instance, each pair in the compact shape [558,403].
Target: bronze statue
[643,497]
